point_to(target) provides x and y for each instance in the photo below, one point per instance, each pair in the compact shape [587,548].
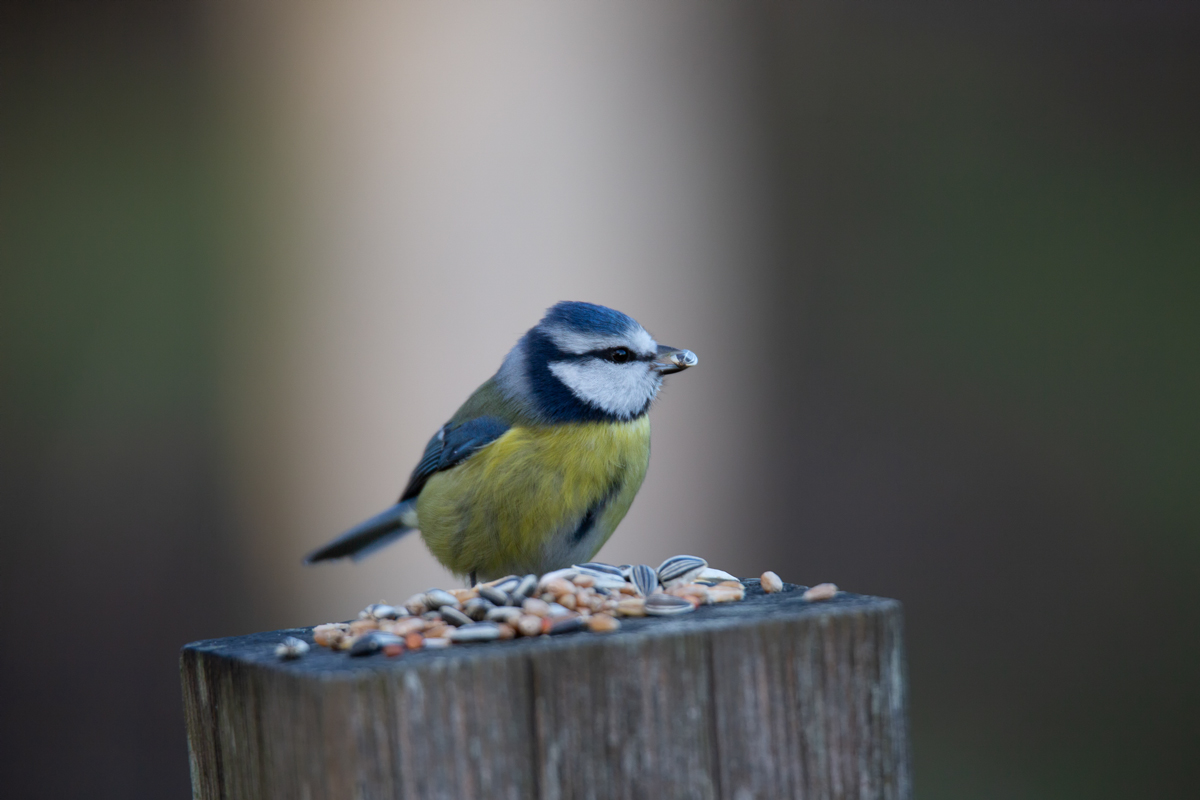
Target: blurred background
[941,265]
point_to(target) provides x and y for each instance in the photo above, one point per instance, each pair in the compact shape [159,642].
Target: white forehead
[573,341]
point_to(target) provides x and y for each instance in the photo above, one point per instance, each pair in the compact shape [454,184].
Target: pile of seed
[591,597]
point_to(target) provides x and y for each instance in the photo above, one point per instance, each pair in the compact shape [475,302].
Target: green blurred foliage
[109,292]
[992,284]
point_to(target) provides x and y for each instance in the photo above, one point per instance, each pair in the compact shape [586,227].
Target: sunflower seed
[665,605]
[291,647]
[416,604]
[645,579]
[507,614]
[496,596]
[567,625]
[525,588]
[600,577]
[365,646]
[476,632]
[382,611]
[454,616]
[596,566]
[436,598]
[680,569]
[710,574]
[373,642]
[435,643]
[611,583]
[477,608]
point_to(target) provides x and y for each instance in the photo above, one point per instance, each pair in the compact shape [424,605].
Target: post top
[758,608]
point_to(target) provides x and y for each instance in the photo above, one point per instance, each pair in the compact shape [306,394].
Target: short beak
[672,359]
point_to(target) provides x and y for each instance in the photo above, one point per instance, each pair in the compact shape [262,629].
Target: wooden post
[771,698]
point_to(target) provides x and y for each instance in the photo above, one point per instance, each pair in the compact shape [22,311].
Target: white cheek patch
[577,342]
[619,389]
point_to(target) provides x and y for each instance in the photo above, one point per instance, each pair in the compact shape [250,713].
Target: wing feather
[450,446]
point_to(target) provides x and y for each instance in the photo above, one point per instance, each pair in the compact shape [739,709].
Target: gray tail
[366,537]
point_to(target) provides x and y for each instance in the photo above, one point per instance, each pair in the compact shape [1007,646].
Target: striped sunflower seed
[567,625]
[525,588]
[477,608]
[382,611]
[493,595]
[476,632]
[645,579]
[596,566]
[454,616]
[373,642]
[665,605]
[716,575]
[680,569]
[508,584]
[507,614]
[416,604]
[436,598]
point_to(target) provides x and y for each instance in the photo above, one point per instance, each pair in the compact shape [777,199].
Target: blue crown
[589,318]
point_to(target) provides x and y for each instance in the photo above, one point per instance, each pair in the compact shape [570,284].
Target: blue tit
[535,471]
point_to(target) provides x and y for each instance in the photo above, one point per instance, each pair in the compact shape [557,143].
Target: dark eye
[618,355]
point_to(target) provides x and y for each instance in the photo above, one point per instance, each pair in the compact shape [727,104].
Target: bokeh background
[940,261]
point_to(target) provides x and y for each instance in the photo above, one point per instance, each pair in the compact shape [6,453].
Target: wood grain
[772,697]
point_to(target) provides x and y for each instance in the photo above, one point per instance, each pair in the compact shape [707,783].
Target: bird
[538,467]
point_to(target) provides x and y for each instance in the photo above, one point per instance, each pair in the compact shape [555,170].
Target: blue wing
[452,445]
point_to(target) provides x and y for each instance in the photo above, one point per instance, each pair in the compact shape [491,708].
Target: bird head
[585,362]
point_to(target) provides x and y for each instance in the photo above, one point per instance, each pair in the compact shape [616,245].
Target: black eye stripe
[613,354]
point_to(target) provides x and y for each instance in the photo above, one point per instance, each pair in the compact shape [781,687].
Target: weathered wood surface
[769,698]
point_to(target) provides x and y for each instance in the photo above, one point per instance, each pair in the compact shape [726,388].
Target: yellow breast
[517,505]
